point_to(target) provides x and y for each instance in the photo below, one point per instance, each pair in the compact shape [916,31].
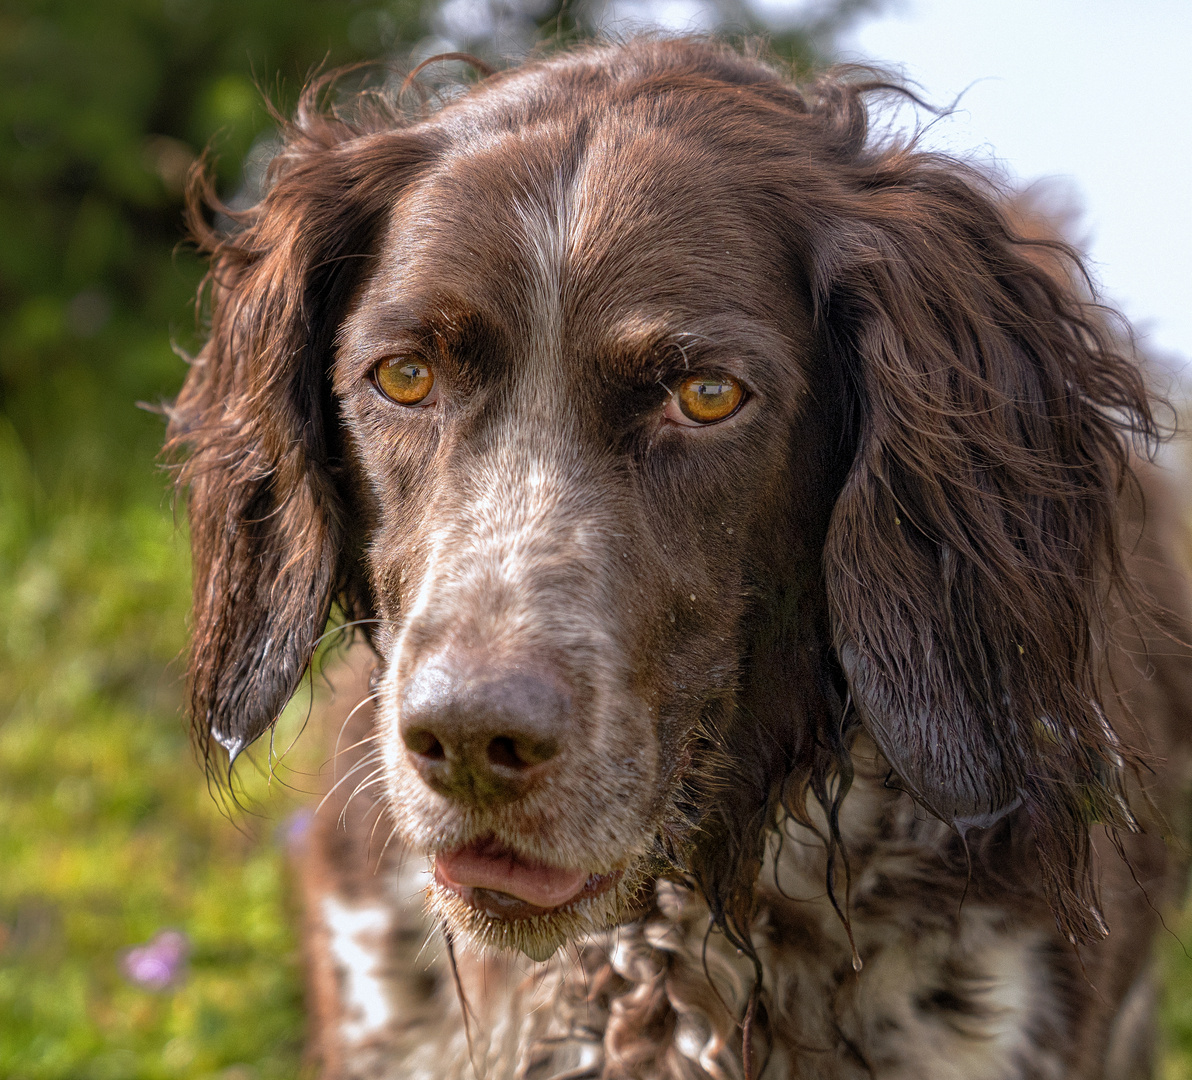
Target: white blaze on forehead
[552,223]
[356,939]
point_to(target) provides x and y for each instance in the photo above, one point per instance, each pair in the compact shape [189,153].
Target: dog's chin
[488,920]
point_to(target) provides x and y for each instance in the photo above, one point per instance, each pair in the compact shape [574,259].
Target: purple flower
[159,963]
[294,830]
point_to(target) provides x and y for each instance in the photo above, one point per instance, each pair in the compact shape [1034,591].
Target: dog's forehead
[582,224]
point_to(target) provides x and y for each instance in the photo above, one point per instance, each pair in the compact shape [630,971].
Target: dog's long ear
[255,424]
[973,549]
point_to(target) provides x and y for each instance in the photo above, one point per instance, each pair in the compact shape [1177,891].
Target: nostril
[422,742]
[509,753]
[502,752]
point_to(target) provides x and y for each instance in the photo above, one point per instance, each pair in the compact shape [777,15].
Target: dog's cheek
[393,461]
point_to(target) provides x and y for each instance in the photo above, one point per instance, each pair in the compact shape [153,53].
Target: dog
[780,641]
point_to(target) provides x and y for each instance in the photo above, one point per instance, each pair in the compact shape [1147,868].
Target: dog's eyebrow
[643,345]
[645,335]
[440,323]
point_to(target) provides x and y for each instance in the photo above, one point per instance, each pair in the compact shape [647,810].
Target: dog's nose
[482,736]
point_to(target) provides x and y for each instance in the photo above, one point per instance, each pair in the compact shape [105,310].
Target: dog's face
[662,431]
[570,409]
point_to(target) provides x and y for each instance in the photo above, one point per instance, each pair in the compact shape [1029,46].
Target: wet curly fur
[892,612]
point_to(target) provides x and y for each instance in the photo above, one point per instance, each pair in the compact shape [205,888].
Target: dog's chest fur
[951,985]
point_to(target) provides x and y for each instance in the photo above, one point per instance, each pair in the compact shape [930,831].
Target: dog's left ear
[973,549]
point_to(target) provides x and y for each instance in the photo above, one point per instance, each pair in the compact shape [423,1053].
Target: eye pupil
[706,400]
[408,382]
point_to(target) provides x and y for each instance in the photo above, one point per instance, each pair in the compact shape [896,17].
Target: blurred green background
[108,833]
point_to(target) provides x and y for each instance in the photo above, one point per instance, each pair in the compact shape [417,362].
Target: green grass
[108,833]
[1175,963]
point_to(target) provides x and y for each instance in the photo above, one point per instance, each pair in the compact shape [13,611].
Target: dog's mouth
[494,879]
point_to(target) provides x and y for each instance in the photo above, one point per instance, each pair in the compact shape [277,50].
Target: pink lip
[490,876]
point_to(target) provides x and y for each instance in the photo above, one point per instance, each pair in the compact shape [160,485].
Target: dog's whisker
[368,781]
[371,737]
[377,805]
[367,700]
[385,847]
[341,628]
[364,763]
[372,778]
[431,935]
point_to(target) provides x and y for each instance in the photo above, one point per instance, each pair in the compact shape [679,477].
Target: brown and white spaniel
[781,660]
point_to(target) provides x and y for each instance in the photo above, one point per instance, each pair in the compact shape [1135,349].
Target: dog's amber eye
[408,382]
[704,399]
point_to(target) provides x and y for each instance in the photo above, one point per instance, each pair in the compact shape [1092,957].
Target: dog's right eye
[700,400]
[405,381]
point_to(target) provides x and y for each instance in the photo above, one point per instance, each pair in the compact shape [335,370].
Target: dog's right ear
[254,424]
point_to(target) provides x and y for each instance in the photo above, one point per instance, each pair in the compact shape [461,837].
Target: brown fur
[905,566]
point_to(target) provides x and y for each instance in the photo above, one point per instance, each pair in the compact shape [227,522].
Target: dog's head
[663,429]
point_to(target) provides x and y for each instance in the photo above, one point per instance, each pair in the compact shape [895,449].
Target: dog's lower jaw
[541,935]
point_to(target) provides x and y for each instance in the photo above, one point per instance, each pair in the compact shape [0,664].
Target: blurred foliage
[108,833]
[103,108]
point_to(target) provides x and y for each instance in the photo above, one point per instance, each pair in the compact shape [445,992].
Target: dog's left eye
[704,399]
[405,381]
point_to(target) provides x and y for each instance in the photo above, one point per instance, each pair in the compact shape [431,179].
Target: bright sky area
[1092,91]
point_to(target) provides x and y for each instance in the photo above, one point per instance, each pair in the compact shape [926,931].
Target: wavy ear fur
[255,425]
[973,552]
